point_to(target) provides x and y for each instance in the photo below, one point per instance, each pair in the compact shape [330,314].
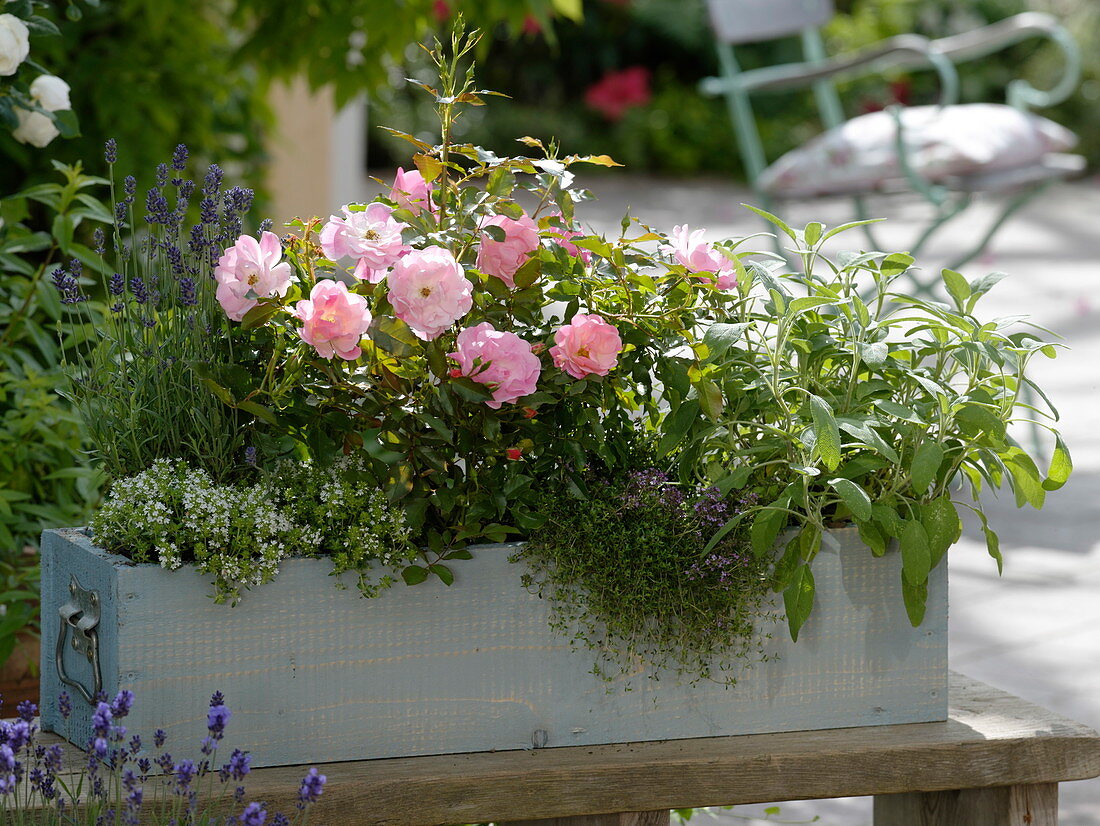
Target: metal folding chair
[747,21]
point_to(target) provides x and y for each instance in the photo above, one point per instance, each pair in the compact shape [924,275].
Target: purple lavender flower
[121,210]
[175,258]
[213,180]
[188,293]
[238,200]
[135,744]
[159,737]
[129,188]
[238,794]
[156,208]
[164,763]
[312,786]
[208,211]
[238,765]
[124,701]
[185,772]
[162,174]
[137,287]
[216,719]
[280,820]
[64,705]
[53,758]
[101,720]
[99,240]
[7,758]
[179,158]
[197,241]
[116,285]
[145,765]
[27,711]
[265,226]
[250,455]
[99,747]
[253,815]
[110,151]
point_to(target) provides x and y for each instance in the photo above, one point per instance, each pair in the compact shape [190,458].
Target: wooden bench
[996,761]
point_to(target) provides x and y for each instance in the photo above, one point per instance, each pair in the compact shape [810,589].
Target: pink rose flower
[371,236]
[503,258]
[561,236]
[696,255]
[502,361]
[410,191]
[334,320]
[587,345]
[429,291]
[250,270]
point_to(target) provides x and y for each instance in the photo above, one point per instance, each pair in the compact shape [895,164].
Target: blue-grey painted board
[314,673]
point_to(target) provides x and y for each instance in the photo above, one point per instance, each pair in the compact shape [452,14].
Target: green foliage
[172,514]
[45,479]
[351,45]
[19,598]
[197,91]
[847,400]
[625,568]
[678,131]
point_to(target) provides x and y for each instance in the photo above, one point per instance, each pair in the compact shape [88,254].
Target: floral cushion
[967,139]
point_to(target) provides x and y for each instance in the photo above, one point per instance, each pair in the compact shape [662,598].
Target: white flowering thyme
[173,514]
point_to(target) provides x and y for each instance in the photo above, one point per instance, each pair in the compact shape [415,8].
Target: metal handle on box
[81,614]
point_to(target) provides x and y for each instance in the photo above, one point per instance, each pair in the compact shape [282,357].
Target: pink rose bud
[334,320]
[250,270]
[697,256]
[503,258]
[561,236]
[410,191]
[502,361]
[429,291]
[514,453]
[587,345]
[372,237]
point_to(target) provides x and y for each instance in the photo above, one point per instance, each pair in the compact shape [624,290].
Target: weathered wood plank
[660,818]
[990,739]
[312,672]
[1025,805]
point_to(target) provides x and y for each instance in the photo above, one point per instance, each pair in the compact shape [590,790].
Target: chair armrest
[990,39]
[903,50]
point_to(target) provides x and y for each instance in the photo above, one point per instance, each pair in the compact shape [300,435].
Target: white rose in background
[52,94]
[14,43]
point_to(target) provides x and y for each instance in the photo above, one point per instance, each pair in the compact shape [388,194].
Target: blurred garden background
[287,96]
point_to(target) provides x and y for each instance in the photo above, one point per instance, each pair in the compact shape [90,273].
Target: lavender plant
[119,781]
[154,330]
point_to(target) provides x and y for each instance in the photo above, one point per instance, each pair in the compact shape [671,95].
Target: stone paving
[1036,630]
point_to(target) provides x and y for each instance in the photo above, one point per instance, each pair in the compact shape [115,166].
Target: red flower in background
[442,10]
[618,91]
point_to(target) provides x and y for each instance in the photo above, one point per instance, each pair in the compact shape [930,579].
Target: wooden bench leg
[1034,805]
[623,819]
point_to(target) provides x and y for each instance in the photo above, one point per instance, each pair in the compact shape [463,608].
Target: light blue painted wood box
[316,674]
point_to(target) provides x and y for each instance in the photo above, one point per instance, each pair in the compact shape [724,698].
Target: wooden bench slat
[991,739]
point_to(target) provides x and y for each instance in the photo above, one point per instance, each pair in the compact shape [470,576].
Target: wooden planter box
[313,673]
